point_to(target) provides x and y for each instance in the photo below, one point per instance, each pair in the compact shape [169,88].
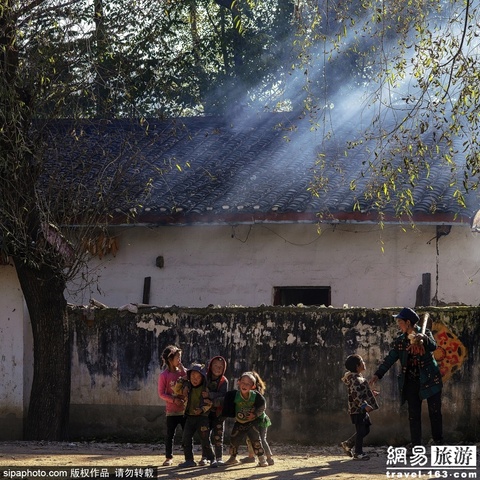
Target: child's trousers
[240,432]
[172,423]
[362,427]
[217,427]
[201,425]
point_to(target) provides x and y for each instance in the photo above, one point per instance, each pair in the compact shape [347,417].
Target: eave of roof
[237,218]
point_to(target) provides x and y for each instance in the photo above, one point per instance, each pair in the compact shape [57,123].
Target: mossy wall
[300,353]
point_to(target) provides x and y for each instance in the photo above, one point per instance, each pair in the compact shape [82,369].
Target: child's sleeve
[218,396]
[163,389]
[260,405]
[370,398]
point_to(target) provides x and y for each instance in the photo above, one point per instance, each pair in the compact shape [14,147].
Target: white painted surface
[221,265]
[11,352]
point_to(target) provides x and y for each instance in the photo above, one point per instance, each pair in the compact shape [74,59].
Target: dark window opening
[306,295]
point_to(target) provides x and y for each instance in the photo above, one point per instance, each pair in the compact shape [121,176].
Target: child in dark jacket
[361,401]
[217,385]
[247,406]
[196,413]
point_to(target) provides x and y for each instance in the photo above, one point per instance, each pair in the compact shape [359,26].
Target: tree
[40,206]
[412,79]
[21,224]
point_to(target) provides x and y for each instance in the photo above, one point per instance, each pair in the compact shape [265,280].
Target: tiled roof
[218,171]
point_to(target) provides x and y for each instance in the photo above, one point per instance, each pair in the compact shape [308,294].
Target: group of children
[199,400]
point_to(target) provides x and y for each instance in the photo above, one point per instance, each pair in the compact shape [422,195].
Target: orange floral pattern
[450,353]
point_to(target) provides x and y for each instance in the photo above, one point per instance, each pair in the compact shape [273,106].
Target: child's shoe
[203,462]
[168,462]
[232,460]
[346,448]
[262,461]
[218,462]
[187,463]
[360,456]
[270,461]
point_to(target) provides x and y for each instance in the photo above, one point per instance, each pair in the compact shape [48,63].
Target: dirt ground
[292,462]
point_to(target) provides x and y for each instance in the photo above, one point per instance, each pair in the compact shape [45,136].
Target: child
[217,385]
[262,427]
[175,405]
[196,413]
[361,400]
[247,406]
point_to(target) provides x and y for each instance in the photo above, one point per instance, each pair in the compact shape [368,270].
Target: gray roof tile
[231,174]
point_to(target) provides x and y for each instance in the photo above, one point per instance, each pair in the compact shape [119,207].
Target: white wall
[365,266]
[12,360]
[222,265]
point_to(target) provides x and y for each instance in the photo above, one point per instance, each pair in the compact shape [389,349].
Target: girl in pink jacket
[174,402]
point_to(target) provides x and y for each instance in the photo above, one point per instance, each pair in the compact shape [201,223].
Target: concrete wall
[300,353]
[14,332]
[223,265]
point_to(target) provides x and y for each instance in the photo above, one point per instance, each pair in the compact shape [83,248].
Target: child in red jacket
[217,385]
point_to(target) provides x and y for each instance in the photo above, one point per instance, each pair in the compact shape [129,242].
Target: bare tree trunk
[48,412]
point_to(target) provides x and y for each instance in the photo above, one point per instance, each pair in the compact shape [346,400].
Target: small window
[306,295]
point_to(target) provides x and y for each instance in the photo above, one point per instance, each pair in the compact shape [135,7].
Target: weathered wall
[299,351]
[364,265]
[12,352]
[239,265]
